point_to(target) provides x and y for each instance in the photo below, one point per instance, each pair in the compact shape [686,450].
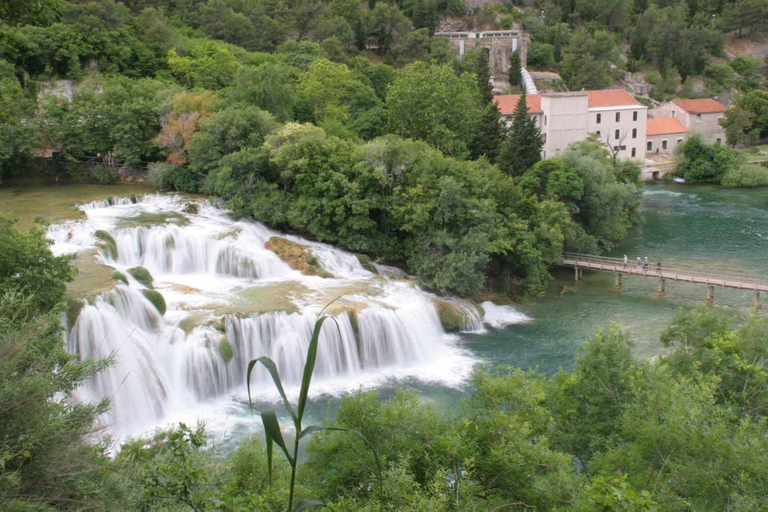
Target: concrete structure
[664,135]
[499,43]
[613,115]
[700,115]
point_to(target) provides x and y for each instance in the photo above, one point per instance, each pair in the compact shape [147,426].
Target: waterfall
[222,285]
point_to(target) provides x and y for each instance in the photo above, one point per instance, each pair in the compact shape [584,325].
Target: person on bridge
[645,265]
[639,263]
[626,261]
[658,267]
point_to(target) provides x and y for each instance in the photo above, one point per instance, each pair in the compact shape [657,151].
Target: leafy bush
[746,176]
[167,176]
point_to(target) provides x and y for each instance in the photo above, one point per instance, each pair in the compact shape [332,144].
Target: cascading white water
[221,286]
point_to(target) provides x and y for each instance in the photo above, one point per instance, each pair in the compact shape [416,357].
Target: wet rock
[119,276]
[366,263]
[298,257]
[192,208]
[72,311]
[157,300]
[107,243]
[142,275]
[450,315]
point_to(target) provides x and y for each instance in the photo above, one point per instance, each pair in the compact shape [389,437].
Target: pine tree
[515,68]
[521,149]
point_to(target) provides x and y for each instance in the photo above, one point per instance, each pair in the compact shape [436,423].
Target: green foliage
[16,139]
[746,176]
[142,275]
[119,276]
[225,350]
[27,266]
[156,298]
[429,102]
[698,162]
[514,71]
[521,149]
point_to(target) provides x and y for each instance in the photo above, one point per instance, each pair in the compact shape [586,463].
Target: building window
[634,133]
[544,137]
[664,144]
[618,134]
[599,118]
[634,152]
[679,141]
[698,117]
[598,133]
[634,115]
[674,114]
[719,141]
[650,145]
[618,116]
[545,120]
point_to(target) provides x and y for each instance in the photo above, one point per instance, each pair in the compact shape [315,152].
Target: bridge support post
[578,276]
[617,281]
[710,294]
[662,286]
[756,302]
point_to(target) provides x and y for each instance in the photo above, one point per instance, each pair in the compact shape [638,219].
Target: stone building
[613,115]
[499,43]
[664,135]
[699,115]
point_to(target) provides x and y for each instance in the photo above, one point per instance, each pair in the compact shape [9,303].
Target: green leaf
[272,431]
[309,366]
[309,504]
[272,369]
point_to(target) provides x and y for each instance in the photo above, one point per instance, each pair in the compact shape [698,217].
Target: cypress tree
[483,72]
[515,67]
[487,137]
[521,148]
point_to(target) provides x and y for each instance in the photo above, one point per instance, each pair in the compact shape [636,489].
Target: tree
[16,137]
[387,25]
[514,72]
[429,102]
[522,147]
[739,126]
[476,61]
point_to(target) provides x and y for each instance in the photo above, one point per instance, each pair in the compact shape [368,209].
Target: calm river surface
[687,225]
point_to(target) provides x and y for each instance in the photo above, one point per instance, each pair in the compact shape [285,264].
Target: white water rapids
[219,281]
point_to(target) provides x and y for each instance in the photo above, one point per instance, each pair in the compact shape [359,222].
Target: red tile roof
[611,98]
[701,106]
[665,126]
[508,102]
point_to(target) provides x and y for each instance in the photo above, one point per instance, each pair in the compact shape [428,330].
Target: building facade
[699,115]
[613,115]
[664,135]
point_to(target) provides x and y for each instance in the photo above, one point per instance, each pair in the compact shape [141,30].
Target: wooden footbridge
[736,280]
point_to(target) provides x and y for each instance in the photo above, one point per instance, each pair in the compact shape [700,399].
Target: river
[210,267]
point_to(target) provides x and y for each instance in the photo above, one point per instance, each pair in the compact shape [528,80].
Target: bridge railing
[729,274]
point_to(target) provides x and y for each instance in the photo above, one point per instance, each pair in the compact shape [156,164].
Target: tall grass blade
[271,367]
[309,366]
[272,431]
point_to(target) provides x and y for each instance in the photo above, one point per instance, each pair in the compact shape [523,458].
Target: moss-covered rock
[297,256]
[110,200]
[119,276]
[480,310]
[107,243]
[366,263]
[450,316]
[192,208]
[142,275]
[225,350]
[134,199]
[157,300]
[72,308]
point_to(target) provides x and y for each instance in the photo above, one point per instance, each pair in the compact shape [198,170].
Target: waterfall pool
[221,283]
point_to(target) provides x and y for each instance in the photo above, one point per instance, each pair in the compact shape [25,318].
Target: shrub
[167,176]
[142,275]
[225,350]
[746,176]
[157,300]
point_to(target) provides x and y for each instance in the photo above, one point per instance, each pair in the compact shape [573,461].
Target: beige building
[700,115]
[617,118]
[499,43]
[664,135]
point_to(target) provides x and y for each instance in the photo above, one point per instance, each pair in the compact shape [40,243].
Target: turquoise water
[716,229]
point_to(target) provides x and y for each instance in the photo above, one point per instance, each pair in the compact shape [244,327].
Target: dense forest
[350,122]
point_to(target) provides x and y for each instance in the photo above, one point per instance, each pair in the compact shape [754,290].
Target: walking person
[645,265]
[639,263]
[658,267]
[626,261]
